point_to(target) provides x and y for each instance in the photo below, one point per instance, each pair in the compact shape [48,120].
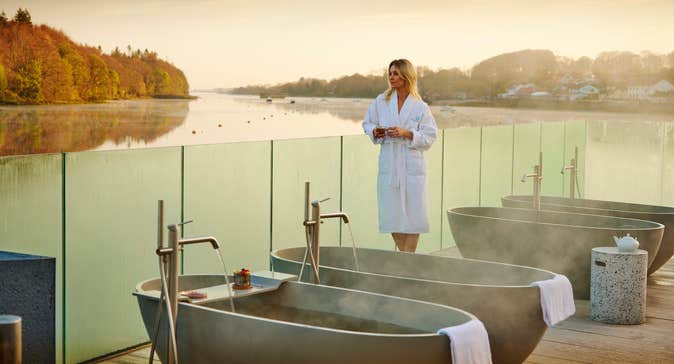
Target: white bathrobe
[401,182]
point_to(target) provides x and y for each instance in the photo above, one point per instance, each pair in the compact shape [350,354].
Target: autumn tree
[78,69]
[100,82]
[3,18]
[28,82]
[3,80]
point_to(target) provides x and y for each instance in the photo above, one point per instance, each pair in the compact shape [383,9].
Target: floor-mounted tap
[312,231]
[168,256]
[537,176]
[573,178]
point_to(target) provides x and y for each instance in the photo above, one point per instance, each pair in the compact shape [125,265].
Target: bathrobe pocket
[416,166]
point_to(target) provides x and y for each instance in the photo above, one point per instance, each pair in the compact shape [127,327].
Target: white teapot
[626,244]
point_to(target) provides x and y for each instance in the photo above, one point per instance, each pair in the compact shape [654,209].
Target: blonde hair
[407,72]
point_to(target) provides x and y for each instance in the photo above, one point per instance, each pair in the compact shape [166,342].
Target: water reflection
[71,128]
[218,118]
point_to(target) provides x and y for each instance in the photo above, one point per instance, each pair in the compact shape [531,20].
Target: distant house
[649,92]
[540,95]
[519,91]
[662,87]
[586,91]
[637,92]
[567,79]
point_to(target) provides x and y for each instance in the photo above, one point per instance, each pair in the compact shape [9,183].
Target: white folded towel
[469,343]
[556,299]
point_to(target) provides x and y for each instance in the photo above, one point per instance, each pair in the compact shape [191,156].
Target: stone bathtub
[557,241]
[661,214]
[290,322]
[499,295]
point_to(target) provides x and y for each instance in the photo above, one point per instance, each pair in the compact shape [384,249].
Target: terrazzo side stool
[618,286]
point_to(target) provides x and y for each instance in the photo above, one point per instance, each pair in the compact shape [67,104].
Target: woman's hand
[378,132]
[398,132]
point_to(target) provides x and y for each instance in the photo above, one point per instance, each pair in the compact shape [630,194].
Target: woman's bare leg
[411,242]
[399,239]
[406,242]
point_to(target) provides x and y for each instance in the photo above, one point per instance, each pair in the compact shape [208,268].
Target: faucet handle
[173,226]
[316,202]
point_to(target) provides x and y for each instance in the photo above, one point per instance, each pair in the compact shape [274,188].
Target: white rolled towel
[556,299]
[468,342]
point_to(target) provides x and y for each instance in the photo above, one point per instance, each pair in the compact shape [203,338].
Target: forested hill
[41,65]
[608,72]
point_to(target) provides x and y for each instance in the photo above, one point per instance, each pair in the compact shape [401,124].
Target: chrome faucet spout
[200,239]
[341,215]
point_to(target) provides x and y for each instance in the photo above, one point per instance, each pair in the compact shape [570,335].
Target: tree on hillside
[28,82]
[78,69]
[3,81]
[22,16]
[528,66]
[100,82]
[3,18]
[618,69]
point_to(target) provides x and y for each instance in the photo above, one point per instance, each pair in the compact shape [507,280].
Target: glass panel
[227,193]
[461,174]
[433,240]
[496,164]
[574,137]
[111,203]
[624,161]
[359,193]
[668,166]
[552,146]
[526,146]
[30,216]
[294,162]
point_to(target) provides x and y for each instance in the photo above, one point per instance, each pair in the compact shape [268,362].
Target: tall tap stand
[174,232]
[316,217]
[574,174]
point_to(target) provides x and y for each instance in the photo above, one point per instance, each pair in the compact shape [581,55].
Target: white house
[661,87]
[583,92]
[638,92]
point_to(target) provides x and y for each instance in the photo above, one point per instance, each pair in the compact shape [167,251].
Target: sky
[235,43]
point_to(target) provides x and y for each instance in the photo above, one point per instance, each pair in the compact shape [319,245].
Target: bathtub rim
[455,211]
[468,315]
[527,198]
[433,281]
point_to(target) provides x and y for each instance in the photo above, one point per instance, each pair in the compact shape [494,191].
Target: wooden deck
[578,339]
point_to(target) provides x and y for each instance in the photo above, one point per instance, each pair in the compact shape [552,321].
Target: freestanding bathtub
[661,214]
[558,241]
[290,322]
[500,295]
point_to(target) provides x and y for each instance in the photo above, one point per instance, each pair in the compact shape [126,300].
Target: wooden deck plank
[540,359]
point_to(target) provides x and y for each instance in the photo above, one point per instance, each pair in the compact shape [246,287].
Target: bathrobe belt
[398,176]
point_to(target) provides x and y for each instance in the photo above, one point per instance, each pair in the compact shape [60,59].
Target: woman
[402,123]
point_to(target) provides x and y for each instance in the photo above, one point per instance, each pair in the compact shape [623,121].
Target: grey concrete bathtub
[557,241]
[661,214]
[291,322]
[500,295]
